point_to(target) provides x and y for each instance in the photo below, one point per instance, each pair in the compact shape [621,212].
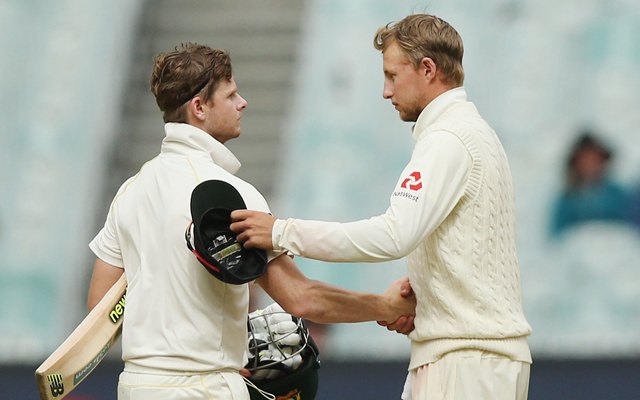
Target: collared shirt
[178,317]
[435,109]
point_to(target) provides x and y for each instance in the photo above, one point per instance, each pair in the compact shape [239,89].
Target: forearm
[323,303]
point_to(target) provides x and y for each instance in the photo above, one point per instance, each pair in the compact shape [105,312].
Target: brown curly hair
[181,74]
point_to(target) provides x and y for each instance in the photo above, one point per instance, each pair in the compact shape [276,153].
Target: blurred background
[557,80]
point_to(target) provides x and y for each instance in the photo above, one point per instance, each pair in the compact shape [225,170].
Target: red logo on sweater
[413,182]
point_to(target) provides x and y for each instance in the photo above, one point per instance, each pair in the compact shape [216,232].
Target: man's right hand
[253,228]
[404,324]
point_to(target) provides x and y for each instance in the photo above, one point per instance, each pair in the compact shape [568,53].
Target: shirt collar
[185,139]
[435,109]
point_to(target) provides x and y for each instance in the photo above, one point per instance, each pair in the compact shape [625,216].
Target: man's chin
[408,118]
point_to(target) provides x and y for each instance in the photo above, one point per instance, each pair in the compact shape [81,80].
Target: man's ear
[196,109]
[428,68]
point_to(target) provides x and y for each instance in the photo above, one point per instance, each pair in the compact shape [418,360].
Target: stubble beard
[410,116]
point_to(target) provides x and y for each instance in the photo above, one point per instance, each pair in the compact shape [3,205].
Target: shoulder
[124,188]
[253,199]
[441,141]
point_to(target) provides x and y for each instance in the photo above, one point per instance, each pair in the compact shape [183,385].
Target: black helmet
[283,358]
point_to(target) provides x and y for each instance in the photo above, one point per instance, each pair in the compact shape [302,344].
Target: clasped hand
[403,324]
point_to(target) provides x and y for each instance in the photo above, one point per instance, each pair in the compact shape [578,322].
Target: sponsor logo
[409,196]
[56,384]
[117,310]
[413,182]
[86,370]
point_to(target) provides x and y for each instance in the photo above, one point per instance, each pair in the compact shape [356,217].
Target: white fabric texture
[469,375]
[219,385]
[178,316]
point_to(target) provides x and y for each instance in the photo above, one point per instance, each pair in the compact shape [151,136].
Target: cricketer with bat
[452,213]
[184,333]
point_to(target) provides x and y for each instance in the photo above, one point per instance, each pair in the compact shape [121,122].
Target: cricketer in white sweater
[453,214]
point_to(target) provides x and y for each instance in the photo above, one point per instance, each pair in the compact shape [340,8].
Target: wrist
[389,308]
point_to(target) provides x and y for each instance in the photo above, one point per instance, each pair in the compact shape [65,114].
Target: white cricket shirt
[178,317]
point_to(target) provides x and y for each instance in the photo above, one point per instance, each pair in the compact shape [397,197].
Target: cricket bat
[87,345]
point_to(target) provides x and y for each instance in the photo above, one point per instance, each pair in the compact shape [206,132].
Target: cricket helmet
[283,358]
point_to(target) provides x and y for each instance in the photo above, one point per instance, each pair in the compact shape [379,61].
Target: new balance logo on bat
[117,310]
[56,384]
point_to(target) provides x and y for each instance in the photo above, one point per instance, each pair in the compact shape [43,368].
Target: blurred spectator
[589,193]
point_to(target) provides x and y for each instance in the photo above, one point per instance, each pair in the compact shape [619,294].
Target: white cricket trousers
[469,375]
[207,386]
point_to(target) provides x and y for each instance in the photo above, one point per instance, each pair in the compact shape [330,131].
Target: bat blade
[85,347]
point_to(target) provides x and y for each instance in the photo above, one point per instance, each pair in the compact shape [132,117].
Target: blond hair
[424,35]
